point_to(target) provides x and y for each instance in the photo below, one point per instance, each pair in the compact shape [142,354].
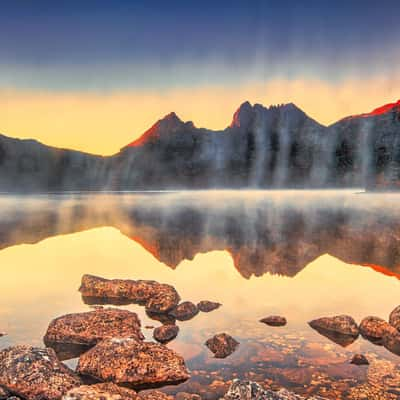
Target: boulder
[208,306]
[274,320]
[35,373]
[100,391]
[247,390]
[132,362]
[374,328]
[154,395]
[394,318]
[222,345]
[359,359]
[165,333]
[341,324]
[89,328]
[391,340]
[157,297]
[185,311]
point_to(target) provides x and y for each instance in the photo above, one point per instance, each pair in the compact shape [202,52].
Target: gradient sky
[93,75]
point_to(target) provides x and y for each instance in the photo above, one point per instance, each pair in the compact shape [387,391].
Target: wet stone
[35,373]
[134,363]
[247,390]
[359,359]
[208,306]
[100,391]
[185,311]
[341,324]
[89,328]
[157,297]
[165,333]
[394,318]
[274,320]
[374,328]
[222,345]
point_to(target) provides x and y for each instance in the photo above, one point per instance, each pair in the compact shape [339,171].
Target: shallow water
[299,254]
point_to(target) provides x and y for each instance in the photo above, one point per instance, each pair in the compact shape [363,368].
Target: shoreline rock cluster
[343,330]
[110,345]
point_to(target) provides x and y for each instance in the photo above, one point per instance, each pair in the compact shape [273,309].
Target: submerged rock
[359,359]
[394,318]
[222,345]
[246,390]
[35,373]
[341,324]
[132,362]
[157,297]
[274,320]
[100,391]
[185,311]
[89,328]
[165,333]
[154,395]
[208,306]
[374,328]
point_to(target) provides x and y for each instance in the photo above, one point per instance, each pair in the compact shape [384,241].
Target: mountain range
[263,147]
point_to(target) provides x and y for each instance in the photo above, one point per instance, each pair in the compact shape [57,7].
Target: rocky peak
[169,124]
[243,116]
[387,108]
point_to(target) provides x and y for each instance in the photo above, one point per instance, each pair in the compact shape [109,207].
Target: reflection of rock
[359,359]
[134,363]
[222,345]
[66,351]
[340,324]
[274,320]
[246,390]
[394,318]
[185,311]
[100,391]
[208,306]
[374,328]
[90,327]
[35,374]
[157,297]
[165,333]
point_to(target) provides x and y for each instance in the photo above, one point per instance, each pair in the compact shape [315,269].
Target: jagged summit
[242,115]
[390,107]
[170,123]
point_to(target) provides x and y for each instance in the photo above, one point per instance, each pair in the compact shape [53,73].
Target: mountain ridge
[263,147]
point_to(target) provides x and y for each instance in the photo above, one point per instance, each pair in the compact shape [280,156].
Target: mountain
[263,147]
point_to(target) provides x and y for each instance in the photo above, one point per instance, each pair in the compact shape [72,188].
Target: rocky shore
[117,363]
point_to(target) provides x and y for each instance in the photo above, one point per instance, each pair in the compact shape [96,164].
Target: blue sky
[103,45]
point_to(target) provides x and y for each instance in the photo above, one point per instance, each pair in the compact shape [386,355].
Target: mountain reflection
[265,232]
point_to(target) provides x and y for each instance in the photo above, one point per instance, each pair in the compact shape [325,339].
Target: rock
[154,395]
[157,297]
[208,306]
[4,393]
[246,390]
[131,362]
[165,333]
[341,324]
[89,328]
[391,340]
[35,373]
[187,396]
[394,318]
[274,320]
[100,391]
[222,345]
[374,328]
[359,359]
[185,311]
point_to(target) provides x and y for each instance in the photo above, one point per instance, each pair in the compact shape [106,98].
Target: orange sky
[103,122]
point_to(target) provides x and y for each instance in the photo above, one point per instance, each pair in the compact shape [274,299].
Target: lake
[298,254]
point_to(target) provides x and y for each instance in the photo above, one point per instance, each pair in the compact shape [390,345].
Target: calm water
[299,254]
